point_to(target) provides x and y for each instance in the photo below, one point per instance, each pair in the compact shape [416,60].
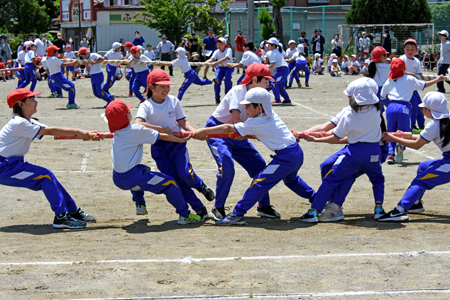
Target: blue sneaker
[378,211]
[399,154]
[232,219]
[311,216]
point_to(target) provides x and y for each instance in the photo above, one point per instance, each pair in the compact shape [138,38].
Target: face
[443,38]
[149,48]
[29,106]
[317,32]
[410,50]
[211,33]
[303,34]
[33,47]
[292,46]
[59,37]
[264,83]
[220,46]
[253,111]
[137,54]
[2,40]
[163,40]
[272,46]
[159,92]
[427,112]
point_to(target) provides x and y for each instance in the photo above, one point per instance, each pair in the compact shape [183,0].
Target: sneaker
[72,106]
[267,211]
[321,73]
[130,95]
[390,159]
[203,214]
[74,78]
[232,219]
[310,216]
[82,216]
[107,91]
[190,219]
[207,192]
[276,101]
[113,97]
[416,208]
[307,84]
[215,80]
[52,95]
[399,153]
[217,213]
[288,87]
[141,210]
[332,213]
[204,77]
[394,216]
[417,130]
[299,84]
[286,102]
[218,101]
[65,221]
[59,96]
[378,211]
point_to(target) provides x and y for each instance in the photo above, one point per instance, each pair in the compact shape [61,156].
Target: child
[361,125]
[248,58]
[330,62]
[70,55]
[388,60]
[30,67]
[140,70]
[9,65]
[119,72]
[195,57]
[289,54]
[15,140]
[20,62]
[272,132]
[345,65]
[365,65]
[3,73]
[398,112]
[277,63]
[93,66]
[127,46]
[56,92]
[150,54]
[113,54]
[354,66]
[335,70]
[300,65]
[430,173]
[129,174]
[444,60]
[163,113]
[318,65]
[379,71]
[190,76]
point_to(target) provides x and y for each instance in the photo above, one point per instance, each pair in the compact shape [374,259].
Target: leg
[228,76]
[184,86]
[442,70]
[63,83]
[220,73]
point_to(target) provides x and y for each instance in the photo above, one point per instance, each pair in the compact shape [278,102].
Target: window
[126,2]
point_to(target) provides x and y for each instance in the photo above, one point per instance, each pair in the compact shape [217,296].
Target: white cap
[273,41]
[346,56]
[221,39]
[262,44]
[443,32]
[181,52]
[388,59]
[290,42]
[226,36]
[353,55]
[364,90]
[116,45]
[260,96]
[333,55]
[316,55]
[28,44]
[367,61]
[335,60]
[437,103]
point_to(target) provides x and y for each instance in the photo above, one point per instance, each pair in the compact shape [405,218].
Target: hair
[356,107]
[258,79]
[149,92]
[371,70]
[250,45]
[383,122]
[17,109]
[136,32]
[445,131]
[148,45]
[303,32]
[409,43]
[274,34]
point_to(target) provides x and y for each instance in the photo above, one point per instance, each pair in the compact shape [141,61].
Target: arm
[436,80]
[100,60]
[171,138]
[185,125]
[160,129]
[323,127]
[414,143]
[332,139]
[224,128]
[272,65]
[83,134]
[220,61]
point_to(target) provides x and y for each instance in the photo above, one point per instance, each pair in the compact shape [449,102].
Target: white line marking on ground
[84,162]
[104,118]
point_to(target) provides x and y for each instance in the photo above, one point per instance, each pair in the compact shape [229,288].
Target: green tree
[51,7]
[21,16]
[441,15]
[205,19]
[277,20]
[267,26]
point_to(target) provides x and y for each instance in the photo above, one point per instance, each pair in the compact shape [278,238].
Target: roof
[122,7]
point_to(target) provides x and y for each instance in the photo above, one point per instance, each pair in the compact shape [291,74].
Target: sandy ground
[129,256]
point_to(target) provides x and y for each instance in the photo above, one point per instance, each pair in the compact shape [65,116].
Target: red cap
[223,40]
[68,45]
[257,69]
[38,59]
[2,65]
[397,69]
[83,50]
[410,41]
[9,61]
[134,49]
[377,53]
[51,49]
[116,113]
[158,76]
[128,44]
[18,95]
[259,52]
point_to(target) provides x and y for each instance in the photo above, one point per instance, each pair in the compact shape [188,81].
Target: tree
[441,15]
[205,16]
[20,16]
[267,26]
[51,7]
[388,12]
[277,20]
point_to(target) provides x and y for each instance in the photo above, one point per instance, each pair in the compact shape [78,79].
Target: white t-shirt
[127,146]
[412,65]
[40,51]
[182,63]
[363,126]
[382,73]
[217,55]
[138,67]
[318,62]
[249,58]
[119,71]
[97,68]
[275,57]
[21,57]
[113,55]
[355,63]
[54,65]
[29,56]
[402,89]
[290,52]
[271,131]
[69,54]
[346,64]
[16,136]
[44,63]
[335,120]
[432,132]
[231,102]
[164,114]
[297,56]
[150,54]
[129,55]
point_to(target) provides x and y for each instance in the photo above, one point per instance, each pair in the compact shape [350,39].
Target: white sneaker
[141,210]
[332,213]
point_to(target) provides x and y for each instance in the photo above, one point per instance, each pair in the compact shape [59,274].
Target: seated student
[119,72]
[330,62]
[354,65]
[388,60]
[318,65]
[365,65]
[345,65]
[3,74]
[335,70]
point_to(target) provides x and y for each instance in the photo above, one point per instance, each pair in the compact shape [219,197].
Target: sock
[417,202]
[400,208]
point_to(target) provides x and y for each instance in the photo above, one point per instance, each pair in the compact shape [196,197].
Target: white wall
[108,34]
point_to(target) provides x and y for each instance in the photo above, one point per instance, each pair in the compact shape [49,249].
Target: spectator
[227,37]
[444,60]
[240,40]
[364,43]
[357,42]
[195,57]
[186,45]
[165,49]
[30,37]
[60,43]
[387,41]
[46,43]
[71,43]
[5,50]
[84,42]
[209,46]
[40,50]
[304,41]
[317,42]
[336,45]
[194,44]
[19,48]
[138,39]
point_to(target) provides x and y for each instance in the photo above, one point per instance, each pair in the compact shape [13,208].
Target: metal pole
[323,21]
[79,20]
[259,27]
[226,22]
[251,20]
[292,30]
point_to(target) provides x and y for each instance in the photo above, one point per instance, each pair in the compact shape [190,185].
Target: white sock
[417,202]
[400,208]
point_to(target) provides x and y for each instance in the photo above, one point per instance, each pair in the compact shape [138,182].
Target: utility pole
[251,20]
[79,22]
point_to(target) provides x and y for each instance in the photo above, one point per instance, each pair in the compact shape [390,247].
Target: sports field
[126,256]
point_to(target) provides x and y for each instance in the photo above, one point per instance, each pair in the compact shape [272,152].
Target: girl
[248,58]
[278,63]
[190,76]
[361,125]
[30,67]
[444,60]
[53,90]
[20,62]
[70,55]
[163,113]
[129,73]
[345,65]
[335,70]
[354,66]
[379,71]
[141,71]
[317,67]
[430,173]
[289,53]
[300,65]
[330,62]
[15,140]
[113,54]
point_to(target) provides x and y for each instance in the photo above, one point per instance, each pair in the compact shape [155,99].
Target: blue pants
[430,174]
[130,75]
[70,68]
[20,75]
[140,80]
[241,78]
[300,65]
[15,172]
[30,76]
[398,115]
[61,82]
[52,87]
[110,77]
[284,166]
[225,151]
[364,157]
[141,178]
[97,83]
[443,69]
[279,83]
[173,159]
[384,102]
[191,78]
[416,112]
[221,73]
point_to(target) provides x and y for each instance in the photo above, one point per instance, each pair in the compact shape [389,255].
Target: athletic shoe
[107,91]
[416,208]
[59,96]
[74,79]
[321,73]
[82,216]
[394,216]
[190,219]
[68,222]
[310,216]
[113,97]
[332,213]
[203,214]
[141,210]
[218,101]
[217,213]
[207,192]
[276,101]
[378,211]
[215,80]
[288,87]
[390,159]
[306,84]
[399,154]
[72,106]
[130,95]
[53,95]
[417,130]
[204,77]
[267,211]
[299,84]
[286,102]
[232,219]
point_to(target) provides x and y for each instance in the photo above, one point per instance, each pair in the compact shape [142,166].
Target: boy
[140,70]
[150,54]
[70,55]
[113,54]
[354,66]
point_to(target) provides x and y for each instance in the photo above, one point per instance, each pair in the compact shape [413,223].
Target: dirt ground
[129,256]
